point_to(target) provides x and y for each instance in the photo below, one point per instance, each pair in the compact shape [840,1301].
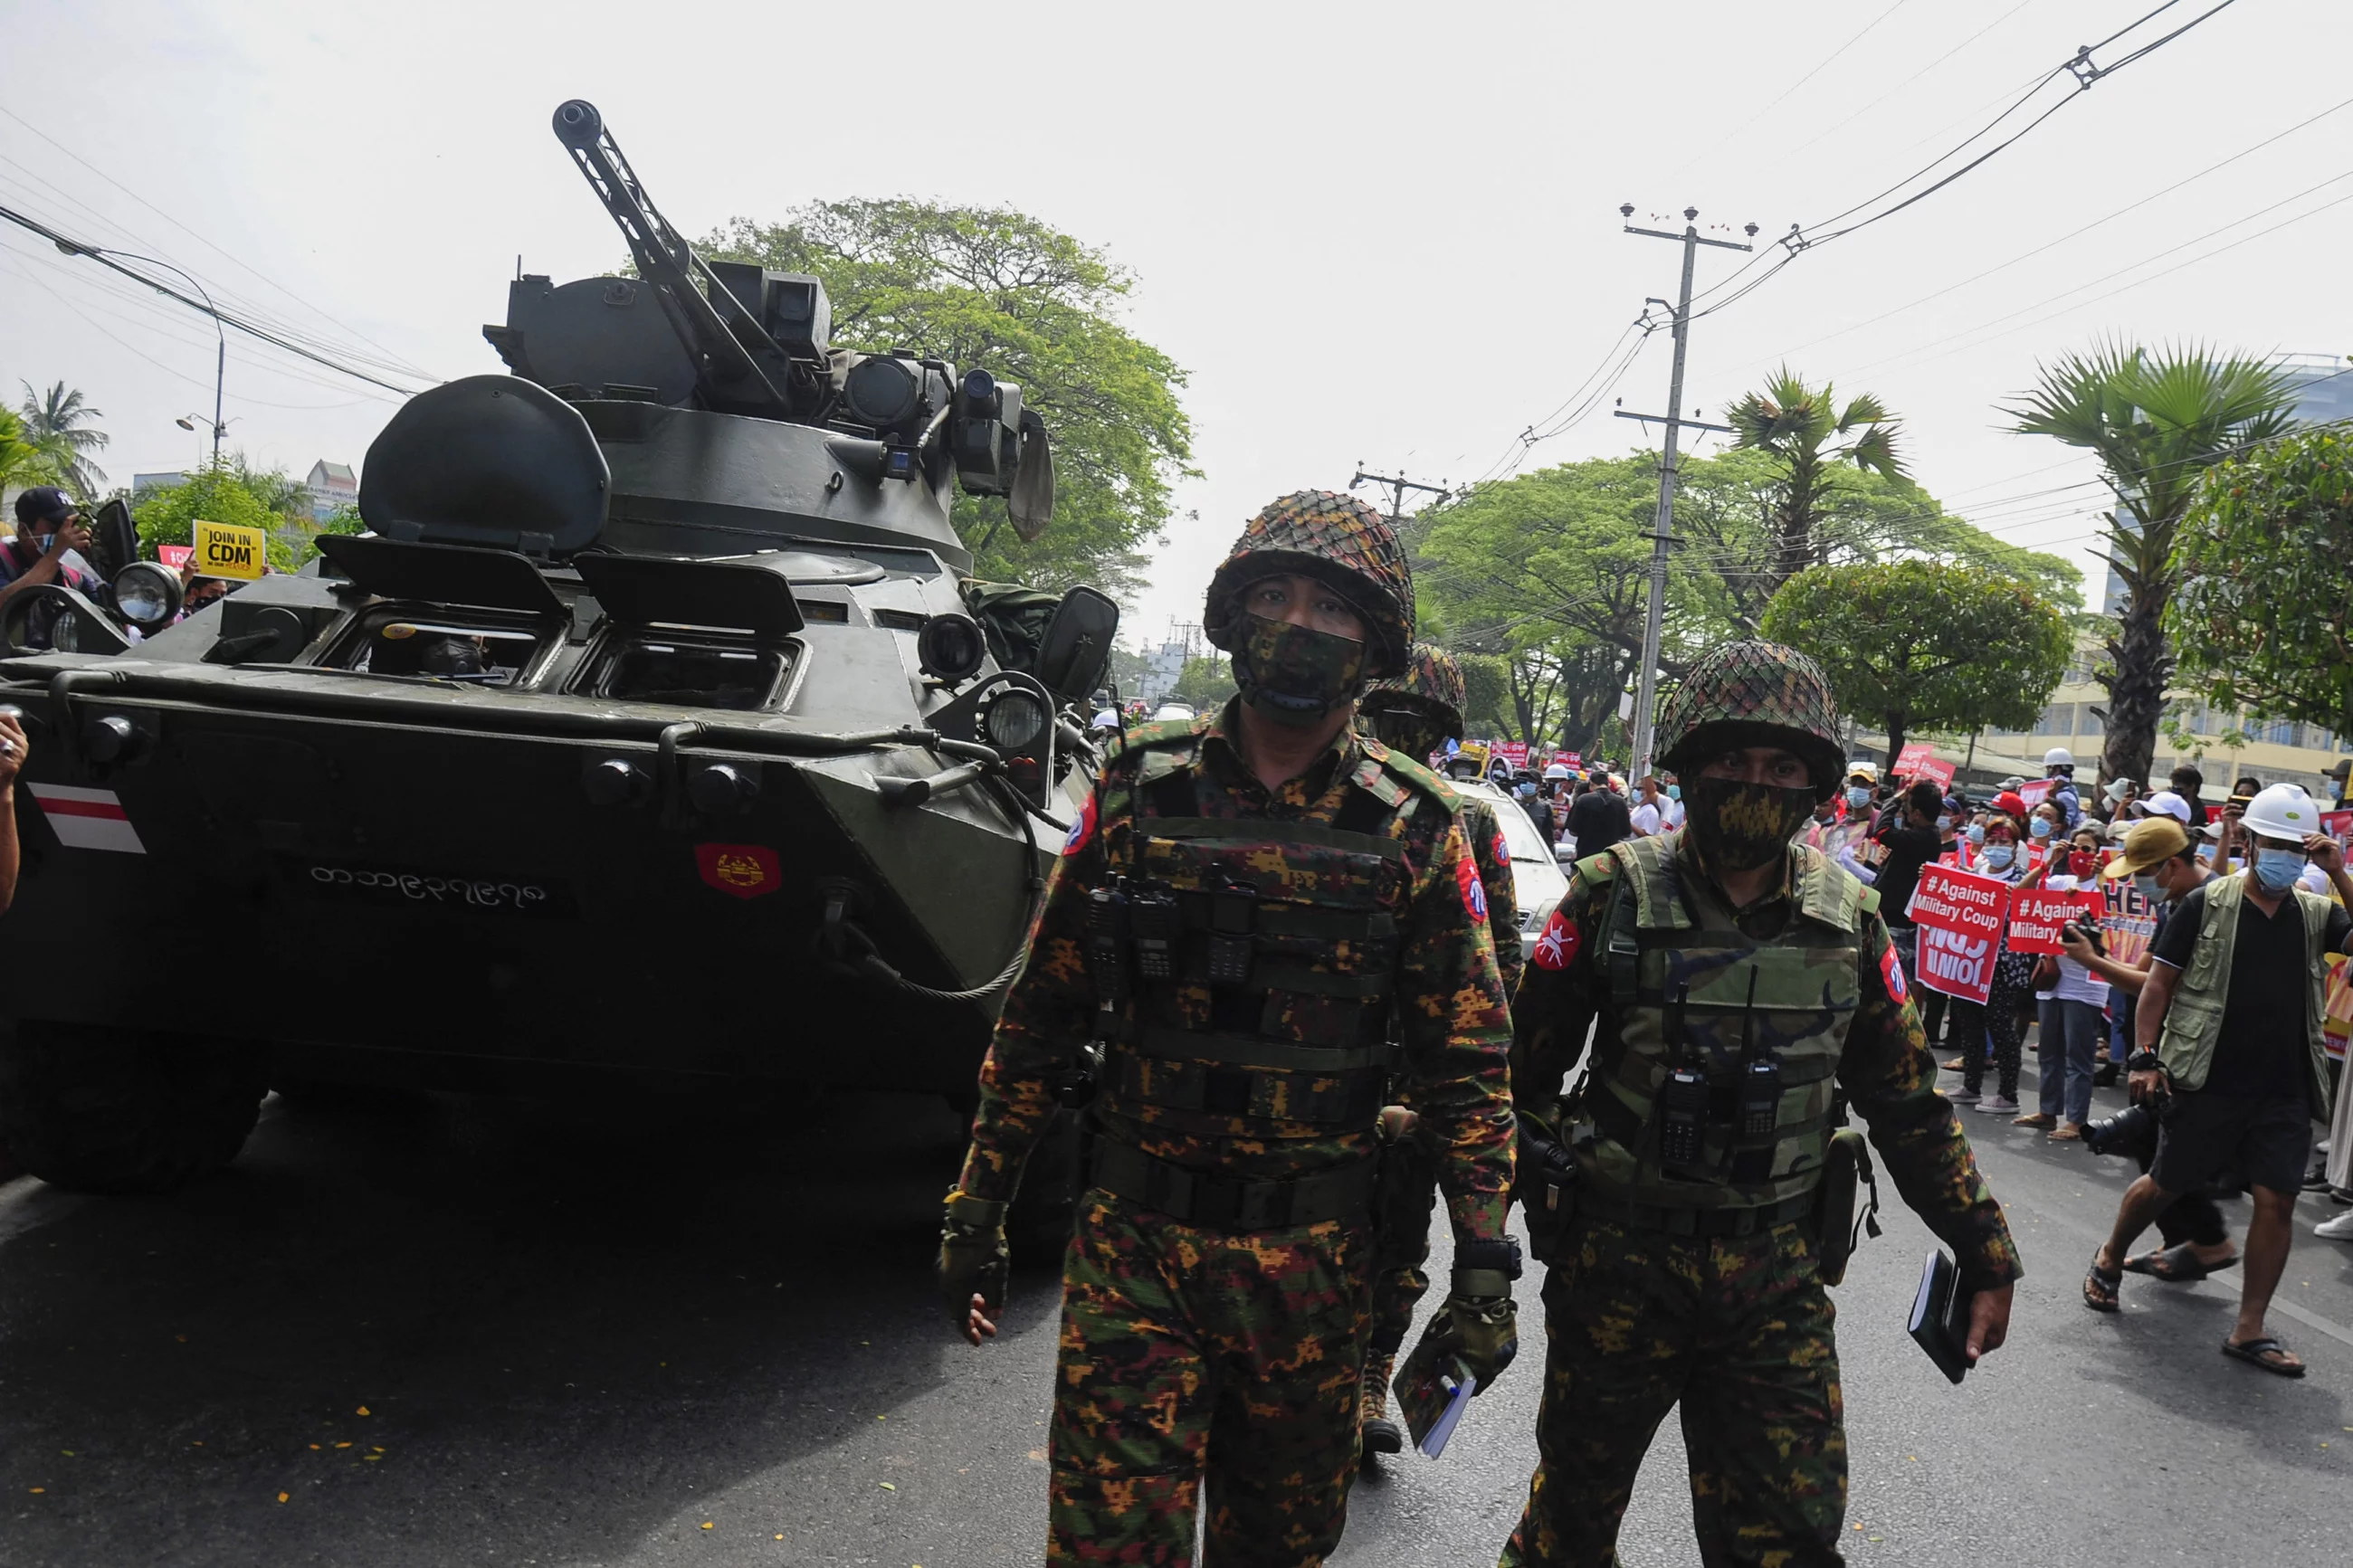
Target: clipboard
[1433,1389]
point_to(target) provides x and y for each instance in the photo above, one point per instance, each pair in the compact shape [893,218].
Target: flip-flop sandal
[2100,1288]
[2259,1352]
[2181,1266]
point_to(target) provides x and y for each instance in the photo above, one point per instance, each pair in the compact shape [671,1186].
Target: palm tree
[2155,422]
[1807,430]
[22,464]
[57,422]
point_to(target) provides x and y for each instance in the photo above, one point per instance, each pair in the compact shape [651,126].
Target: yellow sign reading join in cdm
[228,549]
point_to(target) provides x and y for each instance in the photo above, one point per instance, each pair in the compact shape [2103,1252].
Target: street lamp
[220,360]
[218,426]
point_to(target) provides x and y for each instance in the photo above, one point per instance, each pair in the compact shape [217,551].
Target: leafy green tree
[58,422]
[993,288]
[214,494]
[22,463]
[2157,422]
[1805,431]
[1205,682]
[1550,572]
[1916,644]
[1486,693]
[2262,618]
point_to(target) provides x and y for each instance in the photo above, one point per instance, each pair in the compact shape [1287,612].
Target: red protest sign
[2337,824]
[2035,792]
[1515,752]
[2037,915]
[175,555]
[1961,916]
[1909,759]
[1918,760]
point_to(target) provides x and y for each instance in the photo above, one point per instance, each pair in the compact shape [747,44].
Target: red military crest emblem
[1558,945]
[740,870]
[1890,970]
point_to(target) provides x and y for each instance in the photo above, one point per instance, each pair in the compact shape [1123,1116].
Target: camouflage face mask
[1738,826]
[1295,675]
[1402,729]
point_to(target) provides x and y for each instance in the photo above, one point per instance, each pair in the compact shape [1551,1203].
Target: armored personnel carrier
[649,737]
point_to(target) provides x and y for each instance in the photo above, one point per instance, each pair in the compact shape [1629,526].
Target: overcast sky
[1376,232]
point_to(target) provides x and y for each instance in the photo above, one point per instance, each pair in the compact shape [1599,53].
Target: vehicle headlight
[1536,919]
[1016,718]
[147,594]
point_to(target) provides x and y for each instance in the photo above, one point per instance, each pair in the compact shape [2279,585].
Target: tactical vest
[1265,953]
[1760,1023]
[2193,1020]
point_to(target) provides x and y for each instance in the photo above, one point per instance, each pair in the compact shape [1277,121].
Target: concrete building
[144,485]
[1165,666]
[332,486]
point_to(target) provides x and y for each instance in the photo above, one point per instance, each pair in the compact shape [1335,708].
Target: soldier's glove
[973,1257]
[1481,1319]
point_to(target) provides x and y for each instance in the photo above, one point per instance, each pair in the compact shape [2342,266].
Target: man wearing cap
[48,526]
[1741,993]
[2230,1027]
[1260,921]
[2161,859]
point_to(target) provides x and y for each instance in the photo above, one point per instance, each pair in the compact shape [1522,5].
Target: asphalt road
[452,1332]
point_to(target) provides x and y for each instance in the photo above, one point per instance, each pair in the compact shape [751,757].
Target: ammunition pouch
[1230,1203]
[1840,1228]
[1547,1188]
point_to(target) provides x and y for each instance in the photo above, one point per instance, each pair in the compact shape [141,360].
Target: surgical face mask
[2145,884]
[1943,823]
[2277,869]
[1528,792]
[1674,792]
[2040,827]
[1857,796]
[1999,856]
[1738,826]
[1977,833]
[1295,675]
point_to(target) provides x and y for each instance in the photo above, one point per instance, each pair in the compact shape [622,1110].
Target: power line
[1967,332]
[2071,234]
[1907,81]
[1793,86]
[106,259]
[395,362]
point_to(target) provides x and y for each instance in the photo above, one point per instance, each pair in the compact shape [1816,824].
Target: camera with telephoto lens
[2130,1133]
[2089,929]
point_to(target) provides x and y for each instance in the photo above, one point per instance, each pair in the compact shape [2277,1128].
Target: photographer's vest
[2193,1020]
[1273,1015]
[1689,990]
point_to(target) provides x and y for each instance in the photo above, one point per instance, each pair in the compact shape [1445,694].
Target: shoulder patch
[1597,868]
[1557,947]
[1870,900]
[1147,736]
[1413,772]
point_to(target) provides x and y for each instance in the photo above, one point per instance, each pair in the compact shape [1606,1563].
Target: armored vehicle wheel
[112,1111]
[1045,1206]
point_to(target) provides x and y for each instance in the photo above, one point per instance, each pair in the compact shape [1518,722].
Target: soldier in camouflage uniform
[1416,714]
[1259,917]
[1746,993]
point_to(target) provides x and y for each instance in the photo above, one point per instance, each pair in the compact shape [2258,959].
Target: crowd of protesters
[2215,1022]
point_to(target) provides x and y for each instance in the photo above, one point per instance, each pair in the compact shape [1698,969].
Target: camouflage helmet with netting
[1432,686]
[1752,693]
[1341,543]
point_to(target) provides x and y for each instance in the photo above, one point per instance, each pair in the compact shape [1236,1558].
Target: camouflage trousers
[1192,1356]
[1738,1331]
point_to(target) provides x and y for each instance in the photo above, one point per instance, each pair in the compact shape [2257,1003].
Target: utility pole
[1397,486]
[1653,625]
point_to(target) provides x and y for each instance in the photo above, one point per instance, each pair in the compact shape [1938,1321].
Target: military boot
[1381,1435]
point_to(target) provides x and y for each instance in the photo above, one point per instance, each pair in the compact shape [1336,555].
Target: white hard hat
[2058,757]
[1556,769]
[2283,811]
[1106,720]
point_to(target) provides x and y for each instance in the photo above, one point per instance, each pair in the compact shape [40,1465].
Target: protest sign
[1908,760]
[2035,792]
[1917,762]
[1515,752]
[2336,1018]
[1960,916]
[229,549]
[175,555]
[2129,926]
[2038,914]
[2338,825]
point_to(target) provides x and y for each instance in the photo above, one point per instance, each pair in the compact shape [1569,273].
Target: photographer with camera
[2162,860]
[49,527]
[2229,1031]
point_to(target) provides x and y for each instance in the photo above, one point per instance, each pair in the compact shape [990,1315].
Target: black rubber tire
[1045,1204]
[115,1111]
